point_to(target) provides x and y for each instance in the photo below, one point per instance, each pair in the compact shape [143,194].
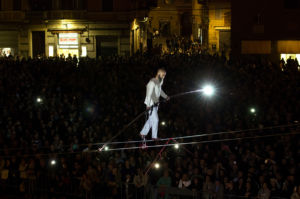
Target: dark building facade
[60,27]
[104,27]
[266,28]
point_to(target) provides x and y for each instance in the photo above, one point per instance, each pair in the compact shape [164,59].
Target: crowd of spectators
[179,45]
[54,111]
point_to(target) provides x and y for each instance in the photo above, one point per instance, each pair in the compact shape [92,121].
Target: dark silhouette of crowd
[54,113]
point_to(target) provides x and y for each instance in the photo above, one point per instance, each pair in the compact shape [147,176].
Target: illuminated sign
[68,38]
[65,46]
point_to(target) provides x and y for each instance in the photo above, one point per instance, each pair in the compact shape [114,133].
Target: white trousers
[152,122]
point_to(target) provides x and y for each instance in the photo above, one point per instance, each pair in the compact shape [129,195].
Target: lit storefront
[62,38]
[66,38]
[6,52]
[8,43]
[68,44]
[289,49]
[285,57]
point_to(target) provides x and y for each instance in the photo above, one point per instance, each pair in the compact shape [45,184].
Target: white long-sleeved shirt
[153,92]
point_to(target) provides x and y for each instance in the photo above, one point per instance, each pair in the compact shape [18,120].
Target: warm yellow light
[51,51]
[66,24]
[7,51]
[135,25]
[285,57]
[298,58]
[83,51]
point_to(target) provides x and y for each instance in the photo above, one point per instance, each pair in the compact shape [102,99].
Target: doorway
[106,45]
[38,43]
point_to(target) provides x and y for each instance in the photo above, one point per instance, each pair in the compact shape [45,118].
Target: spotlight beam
[207,90]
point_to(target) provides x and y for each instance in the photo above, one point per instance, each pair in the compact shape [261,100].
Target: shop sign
[68,38]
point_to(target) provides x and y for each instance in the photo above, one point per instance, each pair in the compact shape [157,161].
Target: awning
[56,31]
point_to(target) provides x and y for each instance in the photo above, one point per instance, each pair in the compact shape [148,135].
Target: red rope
[158,157]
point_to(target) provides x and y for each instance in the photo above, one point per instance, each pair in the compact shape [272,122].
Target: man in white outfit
[153,94]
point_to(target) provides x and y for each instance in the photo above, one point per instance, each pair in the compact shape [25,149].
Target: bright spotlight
[176,146]
[53,162]
[106,148]
[156,165]
[252,110]
[163,123]
[39,100]
[208,90]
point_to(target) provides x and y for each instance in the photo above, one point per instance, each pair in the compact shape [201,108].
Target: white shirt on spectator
[184,184]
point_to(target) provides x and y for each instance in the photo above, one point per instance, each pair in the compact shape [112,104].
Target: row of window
[38,5]
[107,5]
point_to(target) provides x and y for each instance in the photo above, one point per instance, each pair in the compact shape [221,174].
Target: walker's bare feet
[143,146]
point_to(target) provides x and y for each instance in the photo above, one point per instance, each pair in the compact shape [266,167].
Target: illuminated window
[6,51]
[200,35]
[51,51]
[83,51]
[285,57]
[282,56]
